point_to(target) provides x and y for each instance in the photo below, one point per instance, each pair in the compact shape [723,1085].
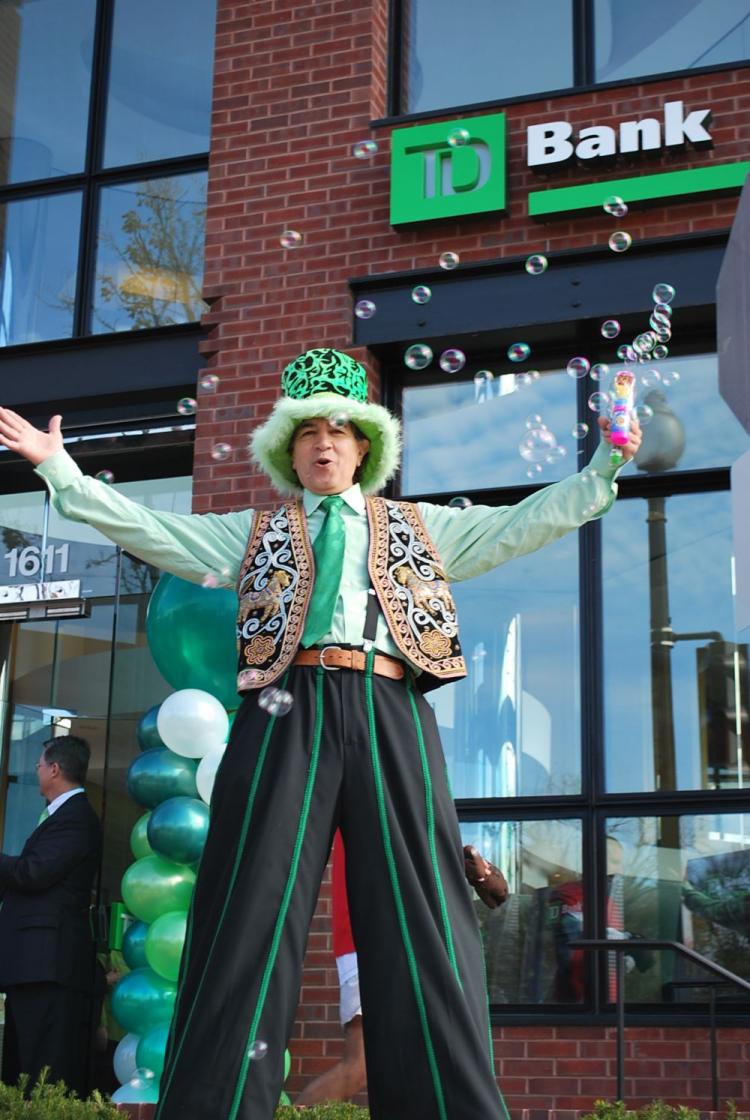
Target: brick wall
[296,84]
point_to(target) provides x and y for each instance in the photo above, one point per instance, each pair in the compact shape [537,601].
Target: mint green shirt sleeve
[472,541]
[191,546]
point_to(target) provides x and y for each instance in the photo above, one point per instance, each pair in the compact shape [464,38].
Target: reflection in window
[149,266]
[38,260]
[529,940]
[159,100]
[641,38]
[691,421]
[508,58]
[463,436]
[685,879]
[676,698]
[512,727]
[45,77]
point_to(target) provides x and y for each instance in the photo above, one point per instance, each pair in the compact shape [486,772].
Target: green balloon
[178,828]
[153,886]
[134,945]
[191,635]
[147,731]
[152,1048]
[164,942]
[143,1000]
[139,844]
[157,775]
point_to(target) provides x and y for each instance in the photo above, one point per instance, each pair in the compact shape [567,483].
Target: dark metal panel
[106,366]
[483,304]
[733,314]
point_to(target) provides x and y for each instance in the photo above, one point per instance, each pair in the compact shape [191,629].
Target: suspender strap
[371,620]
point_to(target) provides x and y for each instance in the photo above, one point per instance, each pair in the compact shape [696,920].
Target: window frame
[584,62]
[91,179]
[593,805]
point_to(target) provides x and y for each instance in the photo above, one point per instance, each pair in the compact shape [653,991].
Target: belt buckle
[321,661]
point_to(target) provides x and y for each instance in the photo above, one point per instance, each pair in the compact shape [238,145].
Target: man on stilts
[345,603]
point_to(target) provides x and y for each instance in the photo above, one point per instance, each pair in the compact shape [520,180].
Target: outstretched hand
[22,437]
[631,447]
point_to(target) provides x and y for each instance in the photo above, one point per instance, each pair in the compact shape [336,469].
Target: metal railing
[725,979]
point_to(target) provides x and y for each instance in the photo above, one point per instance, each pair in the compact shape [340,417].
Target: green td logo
[432,178]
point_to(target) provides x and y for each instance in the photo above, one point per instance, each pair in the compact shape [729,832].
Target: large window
[605,678]
[583,44]
[104,132]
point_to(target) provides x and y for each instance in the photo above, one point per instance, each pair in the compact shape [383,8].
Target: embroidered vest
[276,581]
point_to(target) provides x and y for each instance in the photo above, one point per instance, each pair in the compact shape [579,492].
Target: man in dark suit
[46,948]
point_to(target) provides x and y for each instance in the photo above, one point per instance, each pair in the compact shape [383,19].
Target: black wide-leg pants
[360,751]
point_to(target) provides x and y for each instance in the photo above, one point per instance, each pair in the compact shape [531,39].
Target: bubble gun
[623,406]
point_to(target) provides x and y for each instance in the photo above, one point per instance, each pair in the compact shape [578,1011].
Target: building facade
[382,177]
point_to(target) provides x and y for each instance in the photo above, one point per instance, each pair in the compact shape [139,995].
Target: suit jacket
[45,893]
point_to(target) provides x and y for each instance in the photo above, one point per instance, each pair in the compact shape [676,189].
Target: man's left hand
[631,447]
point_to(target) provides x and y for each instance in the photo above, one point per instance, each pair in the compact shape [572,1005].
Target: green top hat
[326,383]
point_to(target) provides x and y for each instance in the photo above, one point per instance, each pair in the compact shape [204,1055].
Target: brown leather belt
[332,657]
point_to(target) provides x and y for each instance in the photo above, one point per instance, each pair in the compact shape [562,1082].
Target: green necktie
[329,564]
[43,815]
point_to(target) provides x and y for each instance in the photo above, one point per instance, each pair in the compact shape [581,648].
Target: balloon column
[182,742]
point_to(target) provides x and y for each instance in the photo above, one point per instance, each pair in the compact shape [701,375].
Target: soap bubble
[276,702]
[578,367]
[460,502]
[644,342]
[610,328]
[670,378]
[105,476]
[291,239]
[208,382]
[448,260]
[340,420]
[535,421]
[644,413]
[579,431]
[418,356]
[620,241]
[364,309]
[220,452]
[663,309]
[186,406]
[650,378]
[519,351]
[536,264]
[483,377]
[627,353]
[451,361]
[457,137]
[248,678]
[660,352]
[257,1050]
[663,293]
[599,371]
[363,149]
[598,402]
[533,470]
[421,293]
[557,453]
[615,206]
[536,445]
[525,378]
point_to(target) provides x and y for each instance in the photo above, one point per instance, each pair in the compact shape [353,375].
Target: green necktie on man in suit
[329,564]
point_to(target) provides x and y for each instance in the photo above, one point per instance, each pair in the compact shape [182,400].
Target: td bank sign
[433,179]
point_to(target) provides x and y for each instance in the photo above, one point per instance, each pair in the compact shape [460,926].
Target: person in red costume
[349,1076]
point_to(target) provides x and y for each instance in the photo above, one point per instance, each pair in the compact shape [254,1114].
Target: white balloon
[192,722]
[205,775]
[124,1061]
